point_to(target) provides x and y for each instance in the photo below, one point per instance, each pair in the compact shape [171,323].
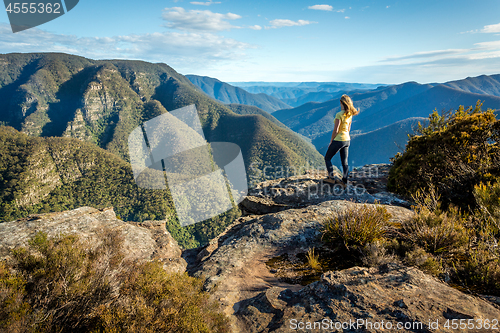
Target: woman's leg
[344,154]
[333,148]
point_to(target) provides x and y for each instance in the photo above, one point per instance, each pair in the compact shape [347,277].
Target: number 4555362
[471,324]
[33,7]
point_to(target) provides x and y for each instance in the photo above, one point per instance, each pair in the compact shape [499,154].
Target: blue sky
[281,40]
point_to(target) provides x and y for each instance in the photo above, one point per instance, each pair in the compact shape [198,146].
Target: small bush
[479,271]
[14,310]
[425,261]
[356,227]
[436,231]
[462,247]
[66,279]
[313,260]
[488,198]
[152,300]
[376,254]
[427,199]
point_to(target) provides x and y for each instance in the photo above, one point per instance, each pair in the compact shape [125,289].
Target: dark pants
[333,148]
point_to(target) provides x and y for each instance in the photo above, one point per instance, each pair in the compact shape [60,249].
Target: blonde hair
[349,108]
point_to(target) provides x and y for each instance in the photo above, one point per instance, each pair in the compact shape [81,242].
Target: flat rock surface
[142,241]
[388,298]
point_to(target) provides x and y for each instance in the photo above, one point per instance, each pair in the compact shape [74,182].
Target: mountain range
[399,105]
[388,112]
[100,103]
[103,101]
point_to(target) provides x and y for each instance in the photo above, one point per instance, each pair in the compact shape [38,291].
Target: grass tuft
[313,260]
[356,227]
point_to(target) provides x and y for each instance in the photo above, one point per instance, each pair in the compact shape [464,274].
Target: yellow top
[345,122]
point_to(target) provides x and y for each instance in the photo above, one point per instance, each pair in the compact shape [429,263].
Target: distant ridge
[250,109]
[484,84]
[298,93]
[227,94]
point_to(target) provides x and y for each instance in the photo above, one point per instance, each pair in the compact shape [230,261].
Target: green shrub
[66,279]
[356,227]
[151,300]
[65,284]
[453,153]
[14,310]
[425,261]
[479,271]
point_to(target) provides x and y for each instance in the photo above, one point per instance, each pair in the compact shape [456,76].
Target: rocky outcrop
[366,185]
[142,241]
[238,270]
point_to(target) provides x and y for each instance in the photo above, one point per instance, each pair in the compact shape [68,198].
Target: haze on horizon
[362,41]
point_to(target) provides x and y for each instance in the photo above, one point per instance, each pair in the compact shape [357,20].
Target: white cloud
[470,31]
[488,45]
[256,27]
[181,50]
[492,28]
[347,17]
[321,7]
[207,3]
[429,54]
[198,20]
[437,65]
[439,70]
[280,23]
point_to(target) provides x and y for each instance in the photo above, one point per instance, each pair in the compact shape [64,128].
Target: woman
[340,137]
